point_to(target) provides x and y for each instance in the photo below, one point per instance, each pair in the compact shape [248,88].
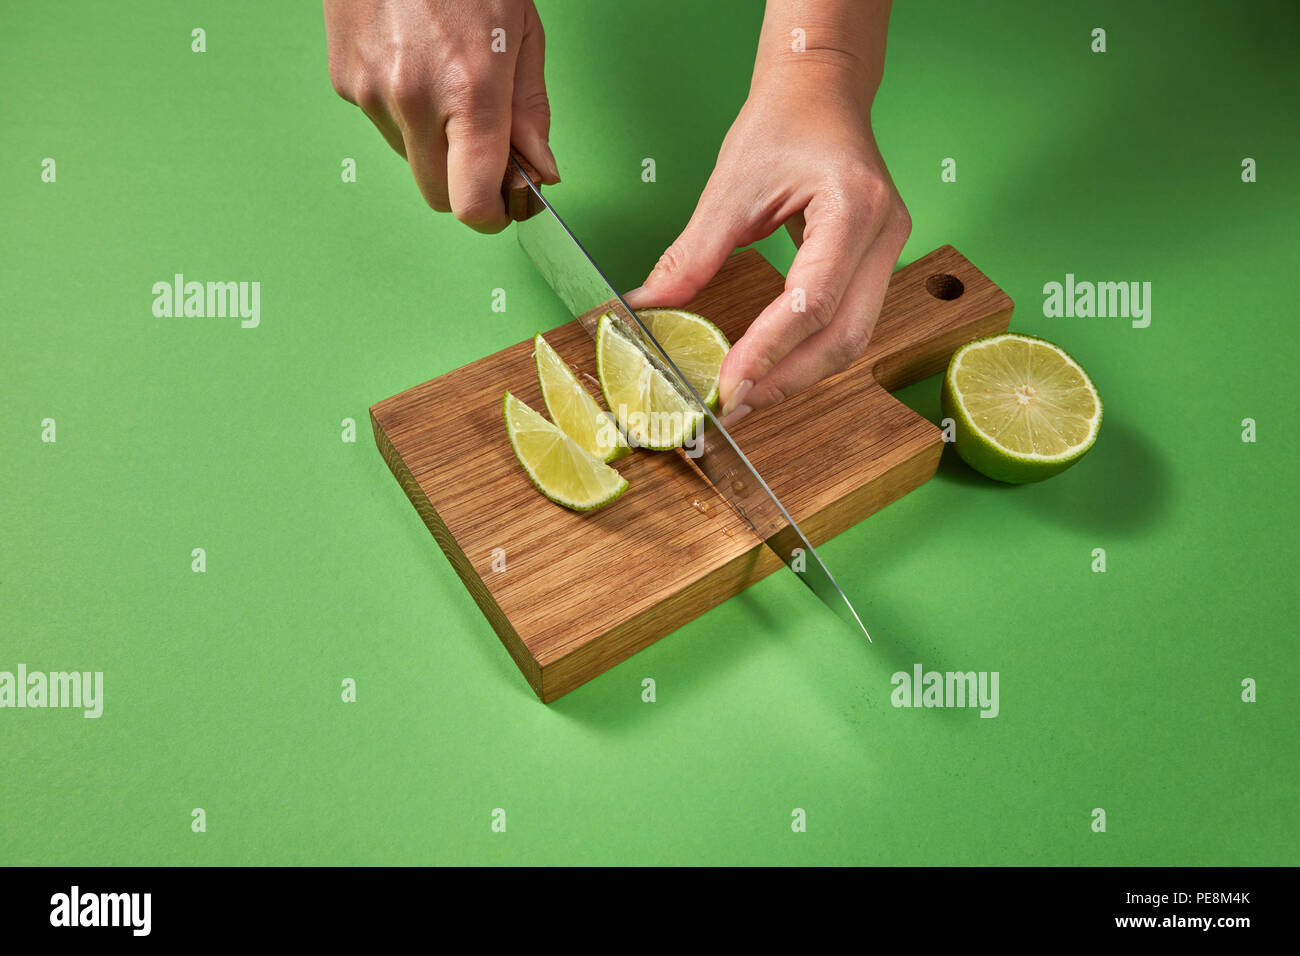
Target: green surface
[1119,690]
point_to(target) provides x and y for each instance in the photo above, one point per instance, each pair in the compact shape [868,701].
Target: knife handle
[520,201]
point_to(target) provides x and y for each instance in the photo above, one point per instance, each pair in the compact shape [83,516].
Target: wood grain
[833,455]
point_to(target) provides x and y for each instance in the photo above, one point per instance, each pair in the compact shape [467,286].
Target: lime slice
[559,467]
[696,346]
[651,412]
[571,406]
[1024,410]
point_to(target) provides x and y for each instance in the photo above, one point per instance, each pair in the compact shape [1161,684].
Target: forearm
[836,47]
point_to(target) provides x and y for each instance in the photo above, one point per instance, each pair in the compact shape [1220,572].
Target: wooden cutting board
[571,595]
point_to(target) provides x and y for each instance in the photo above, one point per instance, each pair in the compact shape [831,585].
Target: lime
[696,346]
[1024,410]
[572,408]
[558,466]
[649,409]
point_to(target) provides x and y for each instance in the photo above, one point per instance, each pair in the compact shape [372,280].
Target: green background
[222,690]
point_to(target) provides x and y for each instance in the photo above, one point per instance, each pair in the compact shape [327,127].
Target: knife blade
[581,285]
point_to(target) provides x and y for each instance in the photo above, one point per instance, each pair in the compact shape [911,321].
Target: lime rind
[980,447]
[541,446]
[573,408]
[696,346]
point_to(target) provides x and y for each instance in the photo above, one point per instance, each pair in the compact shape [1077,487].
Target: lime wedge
[1024,410]
[571,406]
[558,466]
[696,346]
[651,412]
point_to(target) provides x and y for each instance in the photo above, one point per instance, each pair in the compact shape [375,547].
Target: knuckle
[852,345]
[820,308]
[898,224]
[774,394]
[340,80]
[408,91]
[903,221]
[478,211]
[537,103]
[672,261]
[866,185]
[368,95]
[464,91]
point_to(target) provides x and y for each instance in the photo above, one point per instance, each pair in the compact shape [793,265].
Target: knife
[580,284]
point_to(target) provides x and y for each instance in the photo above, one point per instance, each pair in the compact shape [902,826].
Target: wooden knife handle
[520,201]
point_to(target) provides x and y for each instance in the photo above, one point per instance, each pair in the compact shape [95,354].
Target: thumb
[692,260]
[530,110]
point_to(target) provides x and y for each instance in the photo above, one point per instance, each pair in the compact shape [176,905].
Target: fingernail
[738,396]
[636,293]
[736,414]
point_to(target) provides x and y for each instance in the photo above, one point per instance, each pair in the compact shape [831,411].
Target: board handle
[520,201]
[932,307]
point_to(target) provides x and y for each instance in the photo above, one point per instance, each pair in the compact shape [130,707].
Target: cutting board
[570,595]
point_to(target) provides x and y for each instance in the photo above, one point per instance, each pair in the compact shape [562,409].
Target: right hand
[426,75]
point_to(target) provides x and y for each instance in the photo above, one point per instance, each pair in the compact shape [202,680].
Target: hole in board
[944,286]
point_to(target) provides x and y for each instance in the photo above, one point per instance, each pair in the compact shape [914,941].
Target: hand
[427,76]
[801,153]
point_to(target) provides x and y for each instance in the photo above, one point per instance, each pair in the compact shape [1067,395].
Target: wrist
[832,48]
[814,75]
[808,80]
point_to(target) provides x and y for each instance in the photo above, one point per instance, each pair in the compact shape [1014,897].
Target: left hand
[801,153]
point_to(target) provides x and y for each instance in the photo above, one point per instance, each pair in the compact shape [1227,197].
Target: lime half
[650,410]
[558,466]
[696,346]
[571,406]
[1024,410]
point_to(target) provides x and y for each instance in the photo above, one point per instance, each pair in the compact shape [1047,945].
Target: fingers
[791,354]
[406,115]
[835,242]
[478,148]
[447,85]
[836,347]
[713,233]
[457,141]
[386,125]
[530,110]
[426,150]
